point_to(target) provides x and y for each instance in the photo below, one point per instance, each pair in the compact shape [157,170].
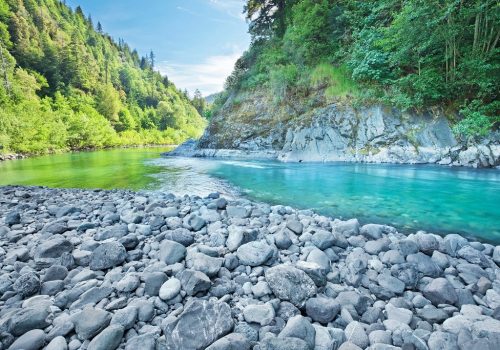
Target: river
[410,197]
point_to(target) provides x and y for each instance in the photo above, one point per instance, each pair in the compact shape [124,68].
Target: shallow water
[410,197]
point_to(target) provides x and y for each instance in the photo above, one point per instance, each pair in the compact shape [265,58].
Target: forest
[412,54]
[66,84]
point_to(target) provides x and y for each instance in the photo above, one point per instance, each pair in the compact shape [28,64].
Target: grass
[336,80]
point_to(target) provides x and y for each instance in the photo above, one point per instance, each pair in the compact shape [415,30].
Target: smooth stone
[356,334]
[27,319]
[108,339]
[284,344]
[107,255]
[31,340]
[322,309]
[53,248]
[90,322]
[58,343]
[125,317]
[233,341]
[254,253]
[299,327]
[262,314]
[290,284]
[170,289]
[440,291]
[171,252]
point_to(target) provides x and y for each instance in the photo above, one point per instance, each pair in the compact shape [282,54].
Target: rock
[295,226]
[171,252]
[496,255]
[142,342]
[290,284]
[322,309]
[373,231]
[427,243]
[473,256]
[452,243]
[323,239]
[351,346]
[356,334]
[55,227]
[27,284]
[204,263]
[254,253]
[12,218]
[199,325]
[347,228]
[118,231]
[262,314]
[440,291]
[90,322]
[27,319]
[401,315]
[108,339]
[170,289]
[107,255]
[31,340]
[194,281]
[299,327]
[127,284]
[425,264]
[282,240]
[390,283]
[315,271]
[442,341]
[54,273]
[380,337]
[196,222]
[284,344]
[153,282]
[233,341]
[180,235]
[125,317]
[58,343]
[237,212]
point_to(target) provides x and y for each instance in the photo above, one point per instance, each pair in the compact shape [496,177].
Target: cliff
[252,125]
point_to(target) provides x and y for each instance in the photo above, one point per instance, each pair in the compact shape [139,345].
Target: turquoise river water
[410,197]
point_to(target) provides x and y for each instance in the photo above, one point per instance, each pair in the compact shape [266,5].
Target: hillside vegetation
[65,84]
[411,54]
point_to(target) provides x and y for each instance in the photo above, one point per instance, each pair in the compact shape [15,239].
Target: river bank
[120,269]
[17,156]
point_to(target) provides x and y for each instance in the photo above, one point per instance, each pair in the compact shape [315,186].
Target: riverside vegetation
[65,84]
[115,269]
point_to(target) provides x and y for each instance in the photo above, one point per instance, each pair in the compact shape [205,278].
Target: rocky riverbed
[124,270]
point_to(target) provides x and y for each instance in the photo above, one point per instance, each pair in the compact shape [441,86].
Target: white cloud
[208,76]
[233,8]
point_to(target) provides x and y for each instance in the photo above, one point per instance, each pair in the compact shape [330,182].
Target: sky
[196,42]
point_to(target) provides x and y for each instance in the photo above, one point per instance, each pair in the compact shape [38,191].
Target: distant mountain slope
[65,84]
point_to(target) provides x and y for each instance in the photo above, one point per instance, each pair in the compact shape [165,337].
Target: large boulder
[200,324]
[290,284]
[107,255]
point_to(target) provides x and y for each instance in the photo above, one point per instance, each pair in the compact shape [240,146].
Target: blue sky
[196,42]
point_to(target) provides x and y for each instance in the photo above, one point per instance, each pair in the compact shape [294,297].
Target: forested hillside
[413,55]
[66,84]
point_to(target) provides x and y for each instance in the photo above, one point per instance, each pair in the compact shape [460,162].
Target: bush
[336,80]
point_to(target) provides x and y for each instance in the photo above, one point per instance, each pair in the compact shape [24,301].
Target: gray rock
[196,222]
[473,256]
[299,327]
[399,314]
[427,243]
[199,325]
[284,344]
[323,239]
[92,297]
[347,228]
[180,235]
[262,314]
[452,243]
[12,218]
[233,341]
[440,291]
[358,301]
[295,226]
[322,309]
[107,255]
[127,284]
[380,337]
[55,227]
[442,341]
[142,342]
[425,264]
[254,253]
[390,283]
[170,289]
[118,231]
[496,255]
[90,322]
[171,252]
[153,282]
[204,263]
[373,231]
[290,284]
[351,346]
[125,317]
[237,212]
[194,281]
[282,239]
[356,334]
[31,340]
[27,284]
[58,343]
[315,271]
[108,339]
[54,273]
[51,287]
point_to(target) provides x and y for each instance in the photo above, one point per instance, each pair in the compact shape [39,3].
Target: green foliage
[477,121]
[411,54]
[64,85]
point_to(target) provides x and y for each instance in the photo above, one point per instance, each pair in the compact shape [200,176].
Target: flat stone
[322,309]
[262,314]
[399,314]
[199,325]
[27,319]
[108,339]
[194,281]
[356,334]
[53,248]
[90,322]
[107,255]
[290,284]
[440,291]
[125,317]
[31,340]
[171,252]
[233,341]
[299,327]
[254,253]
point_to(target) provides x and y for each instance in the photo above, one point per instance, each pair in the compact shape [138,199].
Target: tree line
[66,84]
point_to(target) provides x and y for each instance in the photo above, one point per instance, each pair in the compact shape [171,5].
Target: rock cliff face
[253,126]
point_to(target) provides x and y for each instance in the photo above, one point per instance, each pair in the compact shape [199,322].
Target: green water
[411,197]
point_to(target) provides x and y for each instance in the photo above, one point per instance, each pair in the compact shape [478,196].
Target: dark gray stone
[290,284]
[27,284]
[254,253]
[322,309]
[171,252]
[90,322]
[108,339]
[440,291]
[107,255]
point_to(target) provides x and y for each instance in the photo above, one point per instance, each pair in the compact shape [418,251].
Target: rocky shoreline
[93,269]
